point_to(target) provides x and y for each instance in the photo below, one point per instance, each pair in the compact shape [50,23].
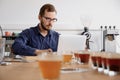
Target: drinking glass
[50,65]
[94,60]
[99,61]
[76,57]
[67,57]
[104,62]
[113,63]
[84,57]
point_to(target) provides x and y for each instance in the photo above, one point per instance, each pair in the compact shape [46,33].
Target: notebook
[71,43]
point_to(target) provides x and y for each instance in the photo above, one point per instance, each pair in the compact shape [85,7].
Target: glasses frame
[49,19]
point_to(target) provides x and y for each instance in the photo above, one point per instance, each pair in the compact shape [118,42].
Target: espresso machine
[109,38]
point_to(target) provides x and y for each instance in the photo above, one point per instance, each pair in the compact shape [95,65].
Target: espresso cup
[7,33]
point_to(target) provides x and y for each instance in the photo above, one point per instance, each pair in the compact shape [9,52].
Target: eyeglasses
[49,19]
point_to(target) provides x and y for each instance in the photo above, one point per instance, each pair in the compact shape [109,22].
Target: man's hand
[37,51]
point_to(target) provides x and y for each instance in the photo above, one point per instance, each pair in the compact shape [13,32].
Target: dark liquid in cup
[104,63]
[99,61]
[76,55]
[94,58]
[84,58]
[114,64]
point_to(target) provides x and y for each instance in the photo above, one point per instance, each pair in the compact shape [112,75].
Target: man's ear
[39,17]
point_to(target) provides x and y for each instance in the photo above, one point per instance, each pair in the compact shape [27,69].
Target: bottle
[1,32]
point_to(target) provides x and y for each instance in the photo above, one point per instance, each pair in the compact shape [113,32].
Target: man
[40,38]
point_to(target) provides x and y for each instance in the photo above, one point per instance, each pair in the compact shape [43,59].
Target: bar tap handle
[113,27]
[101,27]
[109,27]
[105,27]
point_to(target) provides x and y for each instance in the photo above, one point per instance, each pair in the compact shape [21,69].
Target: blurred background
[101,17]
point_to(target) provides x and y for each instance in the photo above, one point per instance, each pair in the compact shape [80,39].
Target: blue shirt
[30,39]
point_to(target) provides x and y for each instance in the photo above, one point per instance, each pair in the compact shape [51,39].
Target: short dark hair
[48,8]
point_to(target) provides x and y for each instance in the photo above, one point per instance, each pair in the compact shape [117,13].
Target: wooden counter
[30,71]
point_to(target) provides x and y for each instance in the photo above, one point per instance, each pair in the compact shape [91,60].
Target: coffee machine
[109,38]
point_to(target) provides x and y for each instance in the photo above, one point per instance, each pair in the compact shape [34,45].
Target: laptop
[71,43]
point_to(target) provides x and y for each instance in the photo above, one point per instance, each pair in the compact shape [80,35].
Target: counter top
[30,71]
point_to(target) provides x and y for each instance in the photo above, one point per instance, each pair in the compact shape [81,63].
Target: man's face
[47,20]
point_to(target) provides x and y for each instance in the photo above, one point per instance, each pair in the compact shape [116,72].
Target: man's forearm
[37,51]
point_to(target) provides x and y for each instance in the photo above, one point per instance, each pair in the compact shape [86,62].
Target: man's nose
[51,22]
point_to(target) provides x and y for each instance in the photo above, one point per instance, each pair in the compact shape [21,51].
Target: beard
[44,27]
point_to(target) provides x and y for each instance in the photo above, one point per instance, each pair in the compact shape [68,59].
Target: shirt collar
[38,31]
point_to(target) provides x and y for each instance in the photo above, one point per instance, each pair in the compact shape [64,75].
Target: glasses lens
[49,19]
[54,19]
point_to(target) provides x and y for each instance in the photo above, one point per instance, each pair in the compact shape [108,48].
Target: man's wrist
[37,51]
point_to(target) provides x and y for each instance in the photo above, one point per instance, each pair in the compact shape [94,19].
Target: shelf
[9,37]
